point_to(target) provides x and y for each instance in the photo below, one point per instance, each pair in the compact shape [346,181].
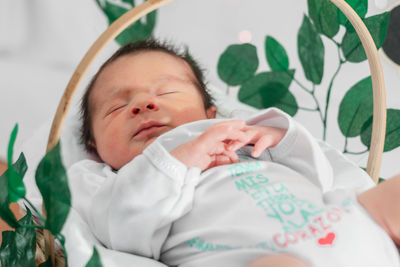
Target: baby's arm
[132,210]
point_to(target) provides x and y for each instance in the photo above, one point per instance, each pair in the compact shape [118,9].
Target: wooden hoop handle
[378,84]
[379,90]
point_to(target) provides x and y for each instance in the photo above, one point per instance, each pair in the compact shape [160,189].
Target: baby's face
[137,98]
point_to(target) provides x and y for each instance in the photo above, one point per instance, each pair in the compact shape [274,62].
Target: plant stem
[356,153]
[318,106]
[312,93]
[328,95]
[302,86]
[227,89]
[350,152]
[308,109]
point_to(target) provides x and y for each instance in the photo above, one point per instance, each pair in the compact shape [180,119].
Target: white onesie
[295,198]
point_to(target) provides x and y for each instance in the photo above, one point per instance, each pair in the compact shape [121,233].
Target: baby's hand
[262,137]
[217,145]
[214,146]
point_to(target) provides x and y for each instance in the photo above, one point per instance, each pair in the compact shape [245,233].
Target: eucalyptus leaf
[324,15]
[288,104]
[51,179]
[351,44]
[18,248]
[277,95]
[132,2]
[94,260]
[272,93]
[250,92]
[392,137]
[355,108]
[237,63]
[277,57]
[359,6]
[311,51]
[138,31]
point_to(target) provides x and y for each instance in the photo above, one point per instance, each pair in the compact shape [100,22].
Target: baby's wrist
[184,153]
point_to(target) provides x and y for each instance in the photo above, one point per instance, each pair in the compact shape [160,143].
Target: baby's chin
[149,141]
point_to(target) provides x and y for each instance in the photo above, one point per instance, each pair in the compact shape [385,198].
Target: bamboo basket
[379,91]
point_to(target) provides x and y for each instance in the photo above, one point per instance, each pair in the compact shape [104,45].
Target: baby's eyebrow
[171,78]
[117,93]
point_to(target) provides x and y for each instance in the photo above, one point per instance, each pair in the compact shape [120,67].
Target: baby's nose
[144,106]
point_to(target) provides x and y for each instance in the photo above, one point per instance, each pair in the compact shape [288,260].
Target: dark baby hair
[87,138]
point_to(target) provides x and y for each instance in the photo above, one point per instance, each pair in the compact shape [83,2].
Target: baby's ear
[211,112]
[92,144]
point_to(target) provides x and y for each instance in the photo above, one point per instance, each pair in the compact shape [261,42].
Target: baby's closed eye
[167,91]
[115,108]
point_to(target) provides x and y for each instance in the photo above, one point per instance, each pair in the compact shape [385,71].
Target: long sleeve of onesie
[131,210]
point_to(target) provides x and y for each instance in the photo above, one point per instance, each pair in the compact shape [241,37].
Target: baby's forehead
[119,74]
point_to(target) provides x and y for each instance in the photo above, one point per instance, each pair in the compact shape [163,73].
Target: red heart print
[328,239]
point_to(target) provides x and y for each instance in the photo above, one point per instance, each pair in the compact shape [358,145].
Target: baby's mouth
[148,129]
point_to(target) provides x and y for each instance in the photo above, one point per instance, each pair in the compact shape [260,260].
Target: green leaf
[15,174]
[20,165]
[5,213]
[272,93]
[18,248]
[138,31]
[324,15]
[355,108]
[237,64]
[11,192]
[311,51]
[392,137]
[277,95]
[94,260]
[16,188]
[359,6]
[46,263]
[252,92]
[351,44]
[10,153]
[51,179]
[276,54]
[132,2]
[288,104]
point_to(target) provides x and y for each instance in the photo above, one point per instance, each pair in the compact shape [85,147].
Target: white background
[42,41]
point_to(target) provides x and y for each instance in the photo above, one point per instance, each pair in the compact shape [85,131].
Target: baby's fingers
[225,130]
[236,144]
[262,144]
